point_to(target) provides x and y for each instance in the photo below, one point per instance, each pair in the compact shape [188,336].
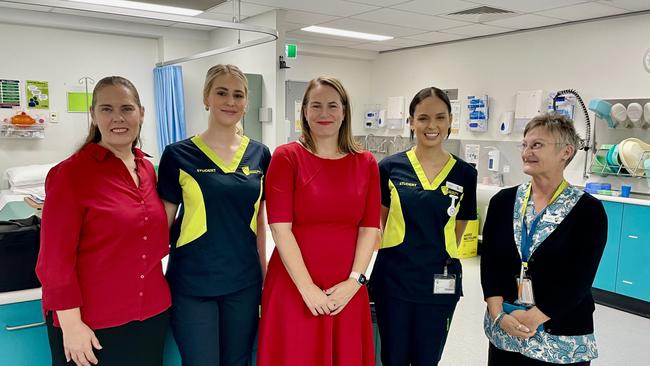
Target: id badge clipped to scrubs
[444,284]
[525,287]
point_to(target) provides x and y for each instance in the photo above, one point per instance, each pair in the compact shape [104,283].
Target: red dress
[327,201]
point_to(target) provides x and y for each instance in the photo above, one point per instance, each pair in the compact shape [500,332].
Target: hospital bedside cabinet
[23,335]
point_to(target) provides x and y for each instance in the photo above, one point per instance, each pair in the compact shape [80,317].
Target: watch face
[362,279]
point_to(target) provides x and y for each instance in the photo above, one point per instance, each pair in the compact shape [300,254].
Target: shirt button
[146,218]
[144,237]
[144,256]
[141,294]
[142,202]
[142,277]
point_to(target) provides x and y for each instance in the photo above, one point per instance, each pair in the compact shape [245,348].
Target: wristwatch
[359,277]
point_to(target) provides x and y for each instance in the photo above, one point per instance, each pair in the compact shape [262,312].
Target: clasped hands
[330,301]
[522,323]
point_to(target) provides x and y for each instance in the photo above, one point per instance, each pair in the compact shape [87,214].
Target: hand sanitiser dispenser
[493,160]
[506,122]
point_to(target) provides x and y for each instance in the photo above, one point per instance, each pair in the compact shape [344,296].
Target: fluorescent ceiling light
[346,33]
[143,6]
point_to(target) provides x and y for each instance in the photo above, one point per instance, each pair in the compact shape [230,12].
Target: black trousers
[216,330]
[412,333]
[137,343]
[499,357]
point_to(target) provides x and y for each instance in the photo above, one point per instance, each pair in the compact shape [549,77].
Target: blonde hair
[219,70]
[346,143]
[558,125]
[94,135]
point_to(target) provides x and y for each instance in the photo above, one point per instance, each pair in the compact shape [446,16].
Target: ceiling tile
[194,27]
[400,17]
[247,9]
[5,4]
[527,6]
[330,7]
[296,16]
[402,42]
[306,37]
[583,11]
[378,2]
[371,27]
[217,16]
[435,7]
[288,26]
[525,21]
[634,5]
[374,47]
[435,37]
[476,30]
[123,18]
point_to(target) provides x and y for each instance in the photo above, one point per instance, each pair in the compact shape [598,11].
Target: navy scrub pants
[412,333]
[216,330]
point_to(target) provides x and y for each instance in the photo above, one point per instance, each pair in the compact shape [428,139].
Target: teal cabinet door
[23,335]
[633,277]
[607,270]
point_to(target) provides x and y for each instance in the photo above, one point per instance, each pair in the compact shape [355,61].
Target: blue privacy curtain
[170,107]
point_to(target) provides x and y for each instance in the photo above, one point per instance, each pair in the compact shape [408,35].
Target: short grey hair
[558,125]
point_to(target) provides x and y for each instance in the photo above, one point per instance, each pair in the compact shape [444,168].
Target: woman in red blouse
[103,235]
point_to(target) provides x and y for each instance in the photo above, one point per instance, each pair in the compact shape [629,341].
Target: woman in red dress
[323,206]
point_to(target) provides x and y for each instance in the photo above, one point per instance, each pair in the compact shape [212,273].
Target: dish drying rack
[606,169]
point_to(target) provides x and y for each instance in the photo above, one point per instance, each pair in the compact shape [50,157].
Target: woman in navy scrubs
[217,260]
[428,195]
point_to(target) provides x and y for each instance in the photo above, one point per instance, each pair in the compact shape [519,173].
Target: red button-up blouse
[102,240]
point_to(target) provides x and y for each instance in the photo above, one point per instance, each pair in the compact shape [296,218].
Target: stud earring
[207,108]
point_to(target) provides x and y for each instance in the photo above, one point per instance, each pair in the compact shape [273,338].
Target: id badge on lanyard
[525,295]
[444,284]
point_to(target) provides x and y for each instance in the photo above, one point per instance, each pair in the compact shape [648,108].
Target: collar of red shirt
[100,153]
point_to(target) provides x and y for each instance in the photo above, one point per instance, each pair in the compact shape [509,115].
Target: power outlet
[54,117]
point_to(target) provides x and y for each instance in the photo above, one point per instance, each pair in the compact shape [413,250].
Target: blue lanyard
[527,236]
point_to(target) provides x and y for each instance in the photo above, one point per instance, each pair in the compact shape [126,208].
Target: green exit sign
[291,50]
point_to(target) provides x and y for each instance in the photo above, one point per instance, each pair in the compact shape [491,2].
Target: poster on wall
[297,110]
[9,93]
[455,112]
[37,94]
[79,102]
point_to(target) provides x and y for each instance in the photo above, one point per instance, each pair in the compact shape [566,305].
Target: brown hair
[558,125]
[346,143]
[94,135]
[221,69]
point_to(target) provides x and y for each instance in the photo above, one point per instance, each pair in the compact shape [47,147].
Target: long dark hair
[94,135]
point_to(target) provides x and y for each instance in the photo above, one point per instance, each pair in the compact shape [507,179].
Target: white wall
[600,59]
[62,57]
[261,59]
[355,75]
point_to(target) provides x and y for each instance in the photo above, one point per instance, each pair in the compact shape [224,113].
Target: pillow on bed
[28,175]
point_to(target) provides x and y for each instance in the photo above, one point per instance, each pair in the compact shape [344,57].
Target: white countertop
[20,296]
[628,200]
[485,192]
